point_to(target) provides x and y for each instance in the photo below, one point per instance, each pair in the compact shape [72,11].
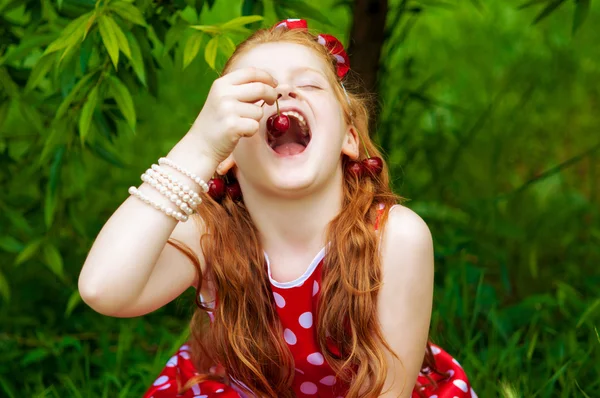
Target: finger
[226,165]
[254,92]
[249,75]
[251,111]
[247,127]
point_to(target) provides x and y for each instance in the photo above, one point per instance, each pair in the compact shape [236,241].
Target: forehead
[281,58]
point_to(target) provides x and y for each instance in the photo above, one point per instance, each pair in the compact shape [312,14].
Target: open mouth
[295,139]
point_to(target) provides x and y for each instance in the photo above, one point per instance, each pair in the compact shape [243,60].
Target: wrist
[191,154]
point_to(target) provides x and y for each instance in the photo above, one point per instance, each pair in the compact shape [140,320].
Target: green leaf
[39,71]
[582,9]
[105,154]
[64,106]
[8,388]
[26,46]
[50,201]
[16,219]
[54,260]
[548,10]
[85,52]
[128,12]
[4,106]
[137,62]
[32,115]
[531,3]
[173,35]
[121,94]
[241,21]
[109,38]
[588,312]
[211,29]
[10,244]
[29,251]
[192,46]
[305,10]
[121,39]
[35,355]
[85,118]
[72,33]
[227,45]
[4,287]
[49,209]
[210,52]
[10,86]
[73,301]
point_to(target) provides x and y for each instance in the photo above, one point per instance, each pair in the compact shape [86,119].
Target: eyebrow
[301,69]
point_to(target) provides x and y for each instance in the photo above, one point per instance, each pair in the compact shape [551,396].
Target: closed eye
[310,86]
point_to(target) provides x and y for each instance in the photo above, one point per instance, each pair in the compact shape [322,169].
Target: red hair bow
[335,47]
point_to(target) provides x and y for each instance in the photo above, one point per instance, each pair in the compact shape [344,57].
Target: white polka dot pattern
[328,380]
[196,389]
[306,320]
[316,358]
[172,362]
[308,388]
[461,384]
[315,288]
[279,300]
[289,337]
[161,380]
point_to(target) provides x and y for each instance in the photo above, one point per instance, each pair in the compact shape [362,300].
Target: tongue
[289,148]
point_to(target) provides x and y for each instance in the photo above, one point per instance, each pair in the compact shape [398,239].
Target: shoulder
[407,245]
[406,230]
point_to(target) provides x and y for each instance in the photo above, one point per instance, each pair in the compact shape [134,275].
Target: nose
[285,90]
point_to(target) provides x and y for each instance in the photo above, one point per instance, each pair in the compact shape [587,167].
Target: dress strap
[380,210]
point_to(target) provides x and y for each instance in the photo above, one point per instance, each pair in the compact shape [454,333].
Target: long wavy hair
[245,336]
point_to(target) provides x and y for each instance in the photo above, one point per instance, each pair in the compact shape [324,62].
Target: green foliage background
[490,124]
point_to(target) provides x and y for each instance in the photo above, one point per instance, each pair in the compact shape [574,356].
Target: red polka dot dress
[296,305]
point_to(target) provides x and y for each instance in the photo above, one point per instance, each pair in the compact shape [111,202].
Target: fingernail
[276,82]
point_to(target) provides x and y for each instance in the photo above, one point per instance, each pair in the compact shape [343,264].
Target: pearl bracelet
[197,180]
[173,197]
[168,211]
[183,191]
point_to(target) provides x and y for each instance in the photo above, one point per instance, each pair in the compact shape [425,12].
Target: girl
[340,306]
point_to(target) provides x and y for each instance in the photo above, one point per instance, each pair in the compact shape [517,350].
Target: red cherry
[356,168]
[373,165]
[281,124]
[270,123]
[216,188]
[234,191]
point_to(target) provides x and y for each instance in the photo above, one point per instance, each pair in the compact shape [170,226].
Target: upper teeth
[300,118]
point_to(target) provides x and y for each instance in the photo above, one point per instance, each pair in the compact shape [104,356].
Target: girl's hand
[233,110]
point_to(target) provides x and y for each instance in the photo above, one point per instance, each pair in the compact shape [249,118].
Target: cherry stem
[277,104]
[363,142]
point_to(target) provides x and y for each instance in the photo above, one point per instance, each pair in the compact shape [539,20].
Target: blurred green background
[489,119]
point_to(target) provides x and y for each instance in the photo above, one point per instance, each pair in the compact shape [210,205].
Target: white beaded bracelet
[192,198]
[169,189]
[173,197]
[197,180]
[168,211]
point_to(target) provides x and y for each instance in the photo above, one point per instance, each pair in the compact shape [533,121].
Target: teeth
[300,119]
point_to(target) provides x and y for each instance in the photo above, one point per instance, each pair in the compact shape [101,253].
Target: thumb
[226,165]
